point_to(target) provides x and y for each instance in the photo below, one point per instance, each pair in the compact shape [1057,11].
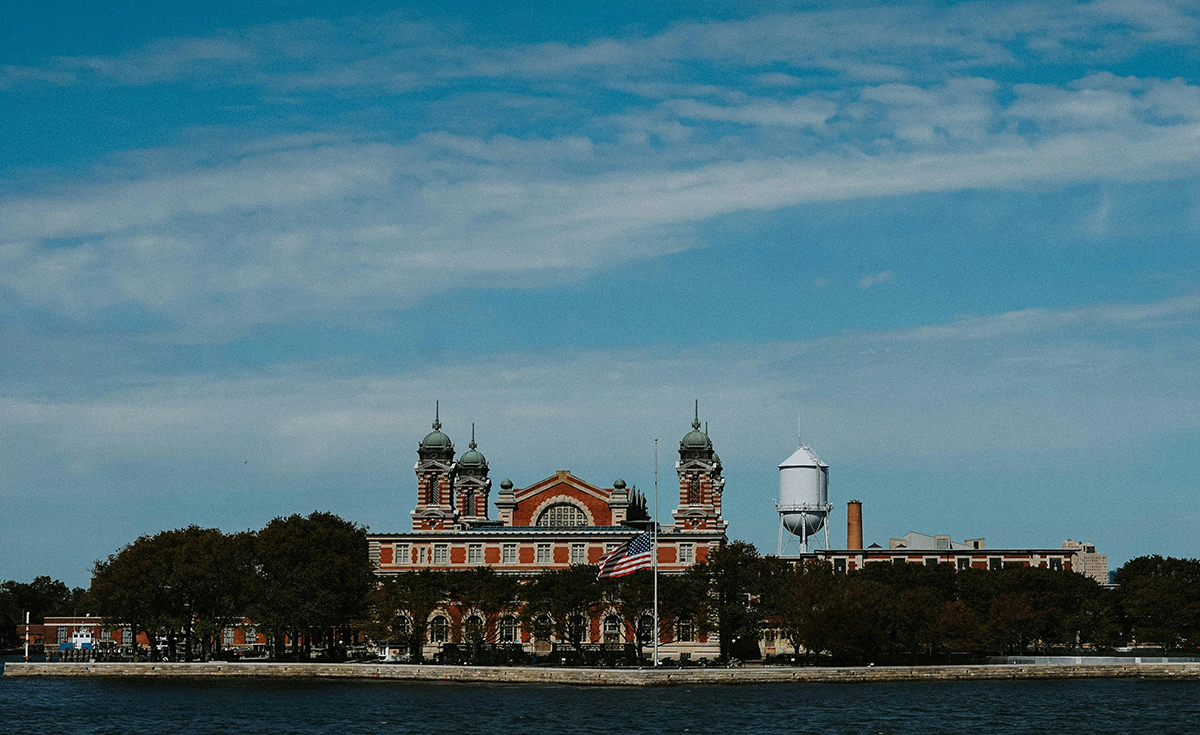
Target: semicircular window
[563,514]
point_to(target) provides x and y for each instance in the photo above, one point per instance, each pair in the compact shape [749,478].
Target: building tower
[436,470]
[700,482]
[471,485]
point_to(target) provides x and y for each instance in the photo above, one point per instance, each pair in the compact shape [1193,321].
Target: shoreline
[607,677]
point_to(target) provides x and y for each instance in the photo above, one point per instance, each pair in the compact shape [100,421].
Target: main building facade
[555,523]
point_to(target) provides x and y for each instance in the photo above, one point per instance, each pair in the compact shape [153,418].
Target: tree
[128,588]
[41,597]
[632,596]
[408,600]
[1161,600]
[568,598]
[484,593]
[314,577]
[797,600]
[735,579]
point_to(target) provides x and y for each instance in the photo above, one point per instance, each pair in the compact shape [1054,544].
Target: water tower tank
[804,494]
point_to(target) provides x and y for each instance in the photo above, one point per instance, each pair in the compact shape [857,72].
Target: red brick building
[554,523]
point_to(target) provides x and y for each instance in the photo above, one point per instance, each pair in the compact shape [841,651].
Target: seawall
[610,677]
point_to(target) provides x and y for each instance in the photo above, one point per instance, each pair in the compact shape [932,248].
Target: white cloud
[868,281]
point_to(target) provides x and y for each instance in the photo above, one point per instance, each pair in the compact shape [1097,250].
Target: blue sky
[243,249]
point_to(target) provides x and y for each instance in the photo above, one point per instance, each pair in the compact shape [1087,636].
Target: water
[342,707]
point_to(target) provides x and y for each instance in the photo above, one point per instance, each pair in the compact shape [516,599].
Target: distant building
[1088,562]
[914,540]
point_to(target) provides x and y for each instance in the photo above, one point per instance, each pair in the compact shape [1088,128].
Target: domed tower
[472,485]
[436,471]
[700,482]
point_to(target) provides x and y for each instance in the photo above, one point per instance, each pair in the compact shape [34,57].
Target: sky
[244,247]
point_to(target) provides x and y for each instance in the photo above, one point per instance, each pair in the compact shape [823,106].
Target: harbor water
[148,705]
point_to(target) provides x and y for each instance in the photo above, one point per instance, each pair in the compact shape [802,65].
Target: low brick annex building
[554,523]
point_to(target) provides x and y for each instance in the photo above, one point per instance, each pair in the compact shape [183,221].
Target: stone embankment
[612,677]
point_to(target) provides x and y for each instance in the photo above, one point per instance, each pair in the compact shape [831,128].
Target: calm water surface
[312,706]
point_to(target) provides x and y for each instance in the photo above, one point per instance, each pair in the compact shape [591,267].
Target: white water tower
[803,505]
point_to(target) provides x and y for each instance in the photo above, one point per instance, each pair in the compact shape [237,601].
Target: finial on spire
[799,438]
[437,416]
[472,435]
[696,419]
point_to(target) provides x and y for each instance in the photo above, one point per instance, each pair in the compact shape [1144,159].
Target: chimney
[854,524]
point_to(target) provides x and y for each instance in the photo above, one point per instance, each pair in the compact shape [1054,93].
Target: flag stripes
[634,554]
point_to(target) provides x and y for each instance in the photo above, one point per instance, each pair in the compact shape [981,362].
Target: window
[899,560]
[227,637]
[995,563]
[475,630]
[508,630]
[579,553]
[508,554]
[685,631]
[433,489]
[249,635]
[469,503]
[839,565]
[439,630]
[475,553]
[931,561]
[563,514]
[610,547]
[126,636]
[422,555]
[693,496]
[441,554]
[964,564]
[401,555]
[1056,565]
[943,543]
[543,554]
[687,554]
[62,634]
[612,629]
[645,629]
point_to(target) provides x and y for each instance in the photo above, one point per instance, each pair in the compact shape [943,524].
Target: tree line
[302,580]
[41,597]
[307,581]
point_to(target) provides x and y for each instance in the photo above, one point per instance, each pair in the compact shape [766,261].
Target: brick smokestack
[854,524]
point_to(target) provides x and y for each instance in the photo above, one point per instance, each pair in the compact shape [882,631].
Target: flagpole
[654,529]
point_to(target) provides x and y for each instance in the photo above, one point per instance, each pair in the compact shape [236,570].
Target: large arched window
[563,514]
[612,629]
[508,630]
[475,630]
[694,496]
[439,630]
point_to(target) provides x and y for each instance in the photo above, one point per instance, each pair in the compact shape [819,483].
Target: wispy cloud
[868,281]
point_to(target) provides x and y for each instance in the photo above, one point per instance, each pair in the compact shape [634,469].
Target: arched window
[543,628]
[475,630]
[433,489]
[469,503]
[439,630]
[685,631]
[694,497]
[508,630]
[612,629]
[563,514]
[646,629]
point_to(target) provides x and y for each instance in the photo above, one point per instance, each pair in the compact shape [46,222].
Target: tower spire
[472,435]
[437,416]
[696,419]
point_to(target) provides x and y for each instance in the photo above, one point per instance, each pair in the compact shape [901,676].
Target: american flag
[627,558]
